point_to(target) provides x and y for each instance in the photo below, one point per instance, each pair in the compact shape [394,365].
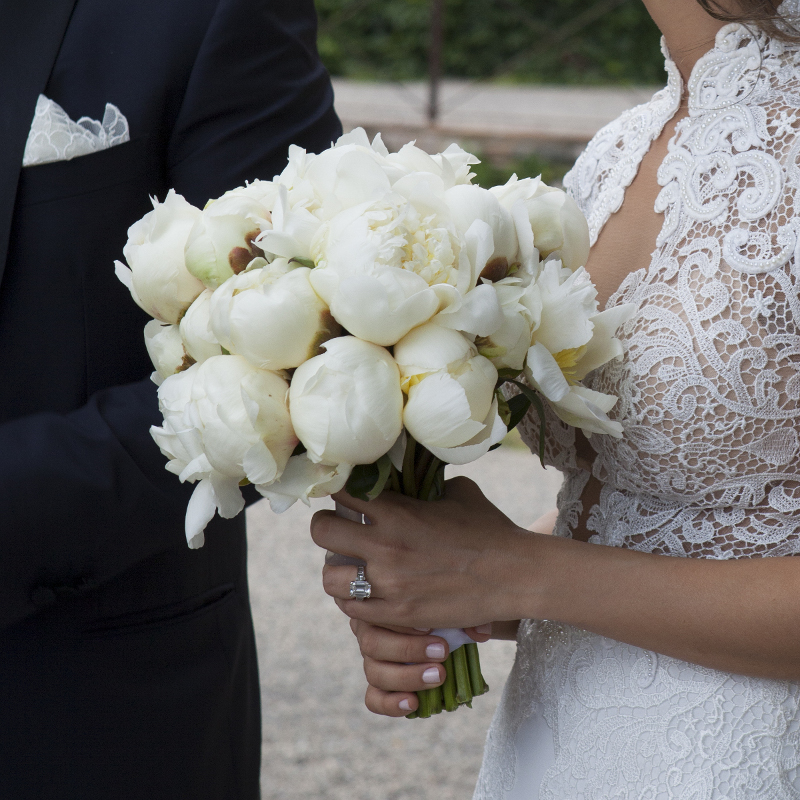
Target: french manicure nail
[487,628]
[405,705]
[431,675]
[435,650]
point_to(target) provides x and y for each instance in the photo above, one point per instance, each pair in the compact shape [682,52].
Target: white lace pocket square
[55,137]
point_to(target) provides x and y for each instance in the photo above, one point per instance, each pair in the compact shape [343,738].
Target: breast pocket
[73,216]
[134,162]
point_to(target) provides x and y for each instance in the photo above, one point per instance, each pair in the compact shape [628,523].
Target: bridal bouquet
[350,324]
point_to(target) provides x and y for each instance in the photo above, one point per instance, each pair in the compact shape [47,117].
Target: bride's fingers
[390,704]
[393,677]
[385,645]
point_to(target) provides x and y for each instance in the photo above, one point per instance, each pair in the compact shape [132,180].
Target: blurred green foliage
[488,174]
[552,41]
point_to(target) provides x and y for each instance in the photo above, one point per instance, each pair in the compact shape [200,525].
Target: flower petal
[199,513]
[544,373]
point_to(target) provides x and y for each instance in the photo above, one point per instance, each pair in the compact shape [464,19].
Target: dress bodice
[709,462]
[709,386]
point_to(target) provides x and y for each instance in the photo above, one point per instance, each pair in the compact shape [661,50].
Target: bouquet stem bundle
[422,477]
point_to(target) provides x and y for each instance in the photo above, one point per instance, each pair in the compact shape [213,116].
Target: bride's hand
[401,661]
[454,563]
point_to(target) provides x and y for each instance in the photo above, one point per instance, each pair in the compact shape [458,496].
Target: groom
[127,661]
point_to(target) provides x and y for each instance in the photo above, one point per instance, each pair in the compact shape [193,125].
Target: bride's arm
[460,562]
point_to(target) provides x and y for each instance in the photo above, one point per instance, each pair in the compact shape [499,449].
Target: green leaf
[503,410]
[507,374]
[367,481]
[384,464]
[361,481]
[518,407]
[536,402]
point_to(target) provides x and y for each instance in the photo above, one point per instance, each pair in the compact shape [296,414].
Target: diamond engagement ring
[360,588]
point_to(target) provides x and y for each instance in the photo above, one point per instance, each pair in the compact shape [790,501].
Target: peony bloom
[558,225]
[348,174]
[156,275]
[198,339]
[346,404]
[470,203]
[570,339]
[223,240]
[303,479]
[507,346]
[224,422]
[273,318]
[451,408]
[293,229]
[165,348]
[452,167]
[376,264]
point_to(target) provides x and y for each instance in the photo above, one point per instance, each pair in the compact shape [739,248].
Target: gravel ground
[319,740]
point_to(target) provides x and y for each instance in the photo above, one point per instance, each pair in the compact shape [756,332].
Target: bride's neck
[688,30]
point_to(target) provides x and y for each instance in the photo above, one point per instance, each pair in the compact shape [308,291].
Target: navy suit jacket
[127,661]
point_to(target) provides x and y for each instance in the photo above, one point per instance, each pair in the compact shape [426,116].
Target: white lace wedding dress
[709,466]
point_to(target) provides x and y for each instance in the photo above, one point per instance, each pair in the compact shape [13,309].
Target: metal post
[435,58]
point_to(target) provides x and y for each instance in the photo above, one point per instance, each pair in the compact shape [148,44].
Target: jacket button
[43,596]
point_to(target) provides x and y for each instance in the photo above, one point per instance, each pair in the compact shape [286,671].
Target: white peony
[557,222]
[156,275]
[275,320]
[223,240]
[376,264]
[293,229]
[570,339]
[507,346]
[470,203]
[452,167]
[303,479]
[195,328]
[224,422]
[347,174]
[165,348]
[451,408]
[346,404]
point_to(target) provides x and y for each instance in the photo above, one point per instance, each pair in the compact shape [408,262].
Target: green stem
[479,685]
[449,685]
[412,715]
[421,467]
[430,480]
[409,480]
[424,710]
[436,700]
[394,478]
[463,685]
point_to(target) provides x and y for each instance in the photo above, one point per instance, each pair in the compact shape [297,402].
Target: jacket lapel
[30,37]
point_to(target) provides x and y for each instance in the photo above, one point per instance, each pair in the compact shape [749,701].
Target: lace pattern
[629,723]
[55,137]
[709,465]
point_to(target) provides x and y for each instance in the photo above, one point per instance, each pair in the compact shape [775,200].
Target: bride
[659,648]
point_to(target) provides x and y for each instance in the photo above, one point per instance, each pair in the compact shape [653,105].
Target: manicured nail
[435,650]
[431,675]
[405,705]
[487,628]
[424,630]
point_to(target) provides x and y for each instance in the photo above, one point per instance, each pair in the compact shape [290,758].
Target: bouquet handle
[463,679]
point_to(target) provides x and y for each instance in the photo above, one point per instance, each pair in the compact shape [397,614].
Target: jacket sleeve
[256,86]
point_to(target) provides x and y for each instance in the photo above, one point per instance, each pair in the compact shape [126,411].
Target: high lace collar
[730,70]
